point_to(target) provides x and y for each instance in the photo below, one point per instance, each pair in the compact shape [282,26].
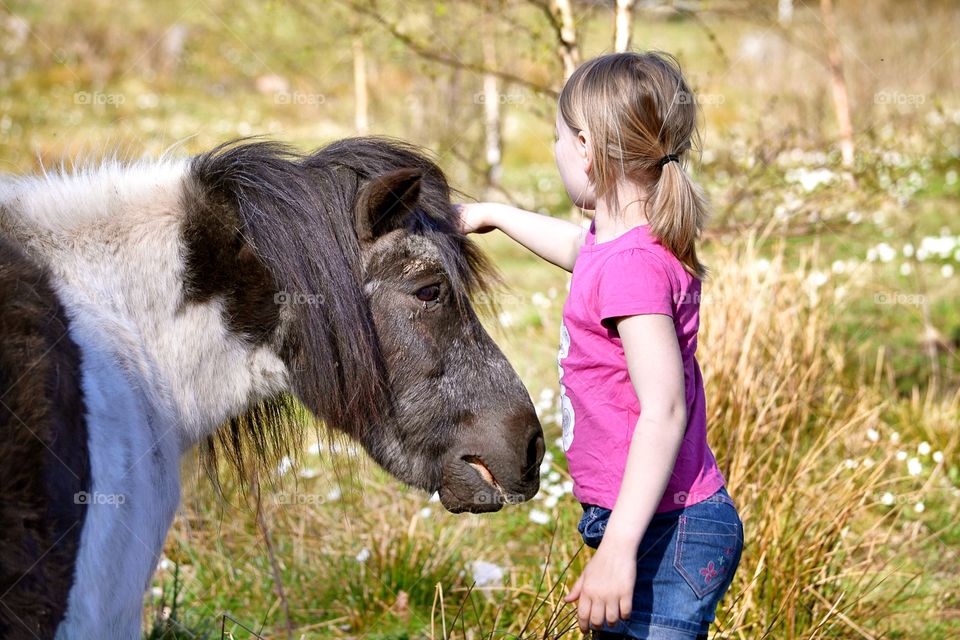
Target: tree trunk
[562,14]
[784,11]
[491,103]
[360,95]
[623,24]
[841,99]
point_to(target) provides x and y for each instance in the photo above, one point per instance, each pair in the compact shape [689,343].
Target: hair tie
[668,158]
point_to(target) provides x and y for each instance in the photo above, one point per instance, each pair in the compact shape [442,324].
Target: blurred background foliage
[831,324]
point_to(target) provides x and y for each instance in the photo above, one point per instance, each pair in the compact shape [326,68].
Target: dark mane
[296,214]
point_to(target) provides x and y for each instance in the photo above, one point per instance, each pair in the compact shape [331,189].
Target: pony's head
[349,263]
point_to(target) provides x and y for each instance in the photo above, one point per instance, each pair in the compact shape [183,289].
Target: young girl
[667,535]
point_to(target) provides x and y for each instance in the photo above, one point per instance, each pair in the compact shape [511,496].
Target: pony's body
[163,281]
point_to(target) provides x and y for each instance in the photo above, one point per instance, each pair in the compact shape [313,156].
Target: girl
[667,535]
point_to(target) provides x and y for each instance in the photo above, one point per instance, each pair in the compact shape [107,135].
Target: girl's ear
[585,149]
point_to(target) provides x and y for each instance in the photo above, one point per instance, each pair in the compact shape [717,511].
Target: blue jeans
[685,563]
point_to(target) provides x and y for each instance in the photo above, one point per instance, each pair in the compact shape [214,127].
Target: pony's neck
[112,238]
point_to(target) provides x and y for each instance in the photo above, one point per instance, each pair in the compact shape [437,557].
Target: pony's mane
[297,212]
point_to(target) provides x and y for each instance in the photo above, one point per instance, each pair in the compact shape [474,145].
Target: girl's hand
[605,588]
[472,218]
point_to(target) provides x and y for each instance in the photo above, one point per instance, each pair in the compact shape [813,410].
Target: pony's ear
[385,202]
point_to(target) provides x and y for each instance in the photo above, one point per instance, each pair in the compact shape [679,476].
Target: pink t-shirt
[629,275]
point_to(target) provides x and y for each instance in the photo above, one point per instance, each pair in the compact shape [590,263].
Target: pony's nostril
[535,449]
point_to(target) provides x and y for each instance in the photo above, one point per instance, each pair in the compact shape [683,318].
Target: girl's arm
[605,588]
[556,241]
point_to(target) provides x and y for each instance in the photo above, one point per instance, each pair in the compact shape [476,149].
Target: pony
[153,307]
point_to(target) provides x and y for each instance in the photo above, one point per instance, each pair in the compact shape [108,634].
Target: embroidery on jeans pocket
[593,524]
[708,571]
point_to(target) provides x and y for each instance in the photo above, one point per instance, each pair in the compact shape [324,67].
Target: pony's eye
[430,293]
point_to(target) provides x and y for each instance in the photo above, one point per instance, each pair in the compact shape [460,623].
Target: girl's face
[572,152]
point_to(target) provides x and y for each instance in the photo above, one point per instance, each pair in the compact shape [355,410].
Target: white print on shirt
[566,409]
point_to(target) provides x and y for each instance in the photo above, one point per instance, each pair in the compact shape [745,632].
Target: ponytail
[677,216]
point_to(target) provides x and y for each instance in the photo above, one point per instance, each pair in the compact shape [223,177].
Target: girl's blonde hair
[639,109]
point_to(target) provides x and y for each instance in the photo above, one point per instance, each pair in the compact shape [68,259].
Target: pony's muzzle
[486,473]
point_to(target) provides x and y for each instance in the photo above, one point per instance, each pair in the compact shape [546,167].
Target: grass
[832,413]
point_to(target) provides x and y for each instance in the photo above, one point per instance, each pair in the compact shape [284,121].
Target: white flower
[551,501]
[486,574]
[919,507]
[308,473]
[156,592]
[938,456]
[914,467]
[539,300]
[364,555]
[284,466]
[901,455]
[906,269]
[908,250]
[762,265]
[817,279]
[850,463]
[334,494]
[895,437]
[873,435]
[810,179]
[887,498]
[947,271]
[426,512]
[838,266]
[924,448]
[554,476]
[868,462]
[539,517]
[506,318]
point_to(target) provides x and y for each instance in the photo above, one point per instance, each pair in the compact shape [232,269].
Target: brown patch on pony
[44,458]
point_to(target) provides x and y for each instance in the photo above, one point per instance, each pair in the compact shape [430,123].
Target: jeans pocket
[592,525]
[707,552]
